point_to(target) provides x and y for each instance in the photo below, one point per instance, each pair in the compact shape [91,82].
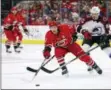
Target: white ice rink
[15,75]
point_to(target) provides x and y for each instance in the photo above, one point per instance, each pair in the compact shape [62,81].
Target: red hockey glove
[46,52]
[87,35]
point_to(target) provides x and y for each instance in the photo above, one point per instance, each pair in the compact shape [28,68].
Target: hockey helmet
[95,10]
[14,8]
[53,23]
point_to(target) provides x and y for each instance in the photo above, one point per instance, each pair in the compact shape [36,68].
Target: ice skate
[8,51]
[65,71]
[97,68]
[89,68]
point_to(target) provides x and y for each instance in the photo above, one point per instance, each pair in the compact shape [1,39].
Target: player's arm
[73,31]
[48,45]
[83,29]
[106,24]
[107,29]
[22,23]
[7,24]
[25,30]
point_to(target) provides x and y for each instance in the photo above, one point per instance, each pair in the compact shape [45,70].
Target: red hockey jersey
[65,34]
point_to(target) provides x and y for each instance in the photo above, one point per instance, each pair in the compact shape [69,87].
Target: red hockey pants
[76,50]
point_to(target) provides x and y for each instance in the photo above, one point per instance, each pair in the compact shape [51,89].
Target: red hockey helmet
[53,23]
[13,8]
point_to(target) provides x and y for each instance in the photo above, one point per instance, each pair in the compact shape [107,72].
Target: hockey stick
[51,71]
[36,70]
[39,69]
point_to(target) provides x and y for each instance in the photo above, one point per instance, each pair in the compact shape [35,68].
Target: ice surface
[15,75]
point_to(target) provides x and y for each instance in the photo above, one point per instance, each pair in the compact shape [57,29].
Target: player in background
[21,22]
[76,19]
[61,38]
[95,30]
[9,31]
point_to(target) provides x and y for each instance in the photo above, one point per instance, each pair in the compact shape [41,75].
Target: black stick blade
[47,70]
[31,69]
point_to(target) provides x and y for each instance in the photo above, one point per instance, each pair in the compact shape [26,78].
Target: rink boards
[37,35]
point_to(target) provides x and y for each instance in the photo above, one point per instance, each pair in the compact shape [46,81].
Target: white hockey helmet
[95,10]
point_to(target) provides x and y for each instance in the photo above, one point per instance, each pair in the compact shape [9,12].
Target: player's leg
[60,53]
[86,46]
[8,45]
[20,37]
[8,35]
[106,45]
[107,50]
[16,48]
[78,51]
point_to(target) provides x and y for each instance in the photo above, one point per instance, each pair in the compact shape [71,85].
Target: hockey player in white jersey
[95,29]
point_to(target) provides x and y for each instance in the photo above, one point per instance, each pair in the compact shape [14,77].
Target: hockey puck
[37,85]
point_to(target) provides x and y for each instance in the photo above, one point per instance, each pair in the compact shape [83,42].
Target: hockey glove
[26,32]
[46,52]
[74,36]
[109,37]
[9,27]
[87,35]
[104,41]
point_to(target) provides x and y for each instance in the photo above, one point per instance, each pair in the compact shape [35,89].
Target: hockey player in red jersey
[9,31]
[62,38]
[21,21]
